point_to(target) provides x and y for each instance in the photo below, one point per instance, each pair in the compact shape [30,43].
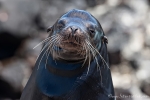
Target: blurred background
[126,23]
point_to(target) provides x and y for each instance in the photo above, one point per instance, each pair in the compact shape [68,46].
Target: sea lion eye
[61,24]
[91,32]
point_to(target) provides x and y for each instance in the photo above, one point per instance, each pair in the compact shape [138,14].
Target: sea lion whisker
[42,50]
[55,46]
[52,44]
[89,50]
[55,43]
[100,73]
[44,53]
[52,47]
[41,42]
[54,38]
[86,53]
[47,56]
[102,59]
[58,43]
[48,52]
[44,41]
[98,66]
[103,64]
[93,55]
[44,47]
[51,41]
[41,59]
[95,51]
[81,51]
[92,50]
[89,63]
[99,54]
[58,47]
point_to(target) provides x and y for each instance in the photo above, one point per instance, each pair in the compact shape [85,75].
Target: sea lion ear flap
[104,39]
[49,29]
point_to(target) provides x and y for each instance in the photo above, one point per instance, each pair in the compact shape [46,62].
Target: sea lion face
[74,35]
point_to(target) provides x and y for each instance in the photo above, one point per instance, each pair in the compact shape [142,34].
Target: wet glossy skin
[76,24]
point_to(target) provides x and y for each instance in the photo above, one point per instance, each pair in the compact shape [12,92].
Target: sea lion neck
[52,84]
[62,64]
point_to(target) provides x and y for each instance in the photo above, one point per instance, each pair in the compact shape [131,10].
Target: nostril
[74,29]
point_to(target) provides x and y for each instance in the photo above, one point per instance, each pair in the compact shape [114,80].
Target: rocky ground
[126,23]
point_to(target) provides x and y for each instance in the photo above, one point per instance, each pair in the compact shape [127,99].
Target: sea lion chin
[74,35]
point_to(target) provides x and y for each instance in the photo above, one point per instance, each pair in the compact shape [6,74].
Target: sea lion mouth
[70,46]
[69,42]
[67,48]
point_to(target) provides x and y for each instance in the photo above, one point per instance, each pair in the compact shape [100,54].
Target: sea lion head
[75,37]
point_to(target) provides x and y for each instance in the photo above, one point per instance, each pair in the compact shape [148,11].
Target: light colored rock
[14,73]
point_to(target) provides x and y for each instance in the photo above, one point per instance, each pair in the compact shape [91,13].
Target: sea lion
[73,63]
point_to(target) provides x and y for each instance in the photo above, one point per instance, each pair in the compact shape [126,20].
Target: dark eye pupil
[92,31]
[60,26]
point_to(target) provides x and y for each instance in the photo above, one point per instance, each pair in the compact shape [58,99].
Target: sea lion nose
[74,29]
